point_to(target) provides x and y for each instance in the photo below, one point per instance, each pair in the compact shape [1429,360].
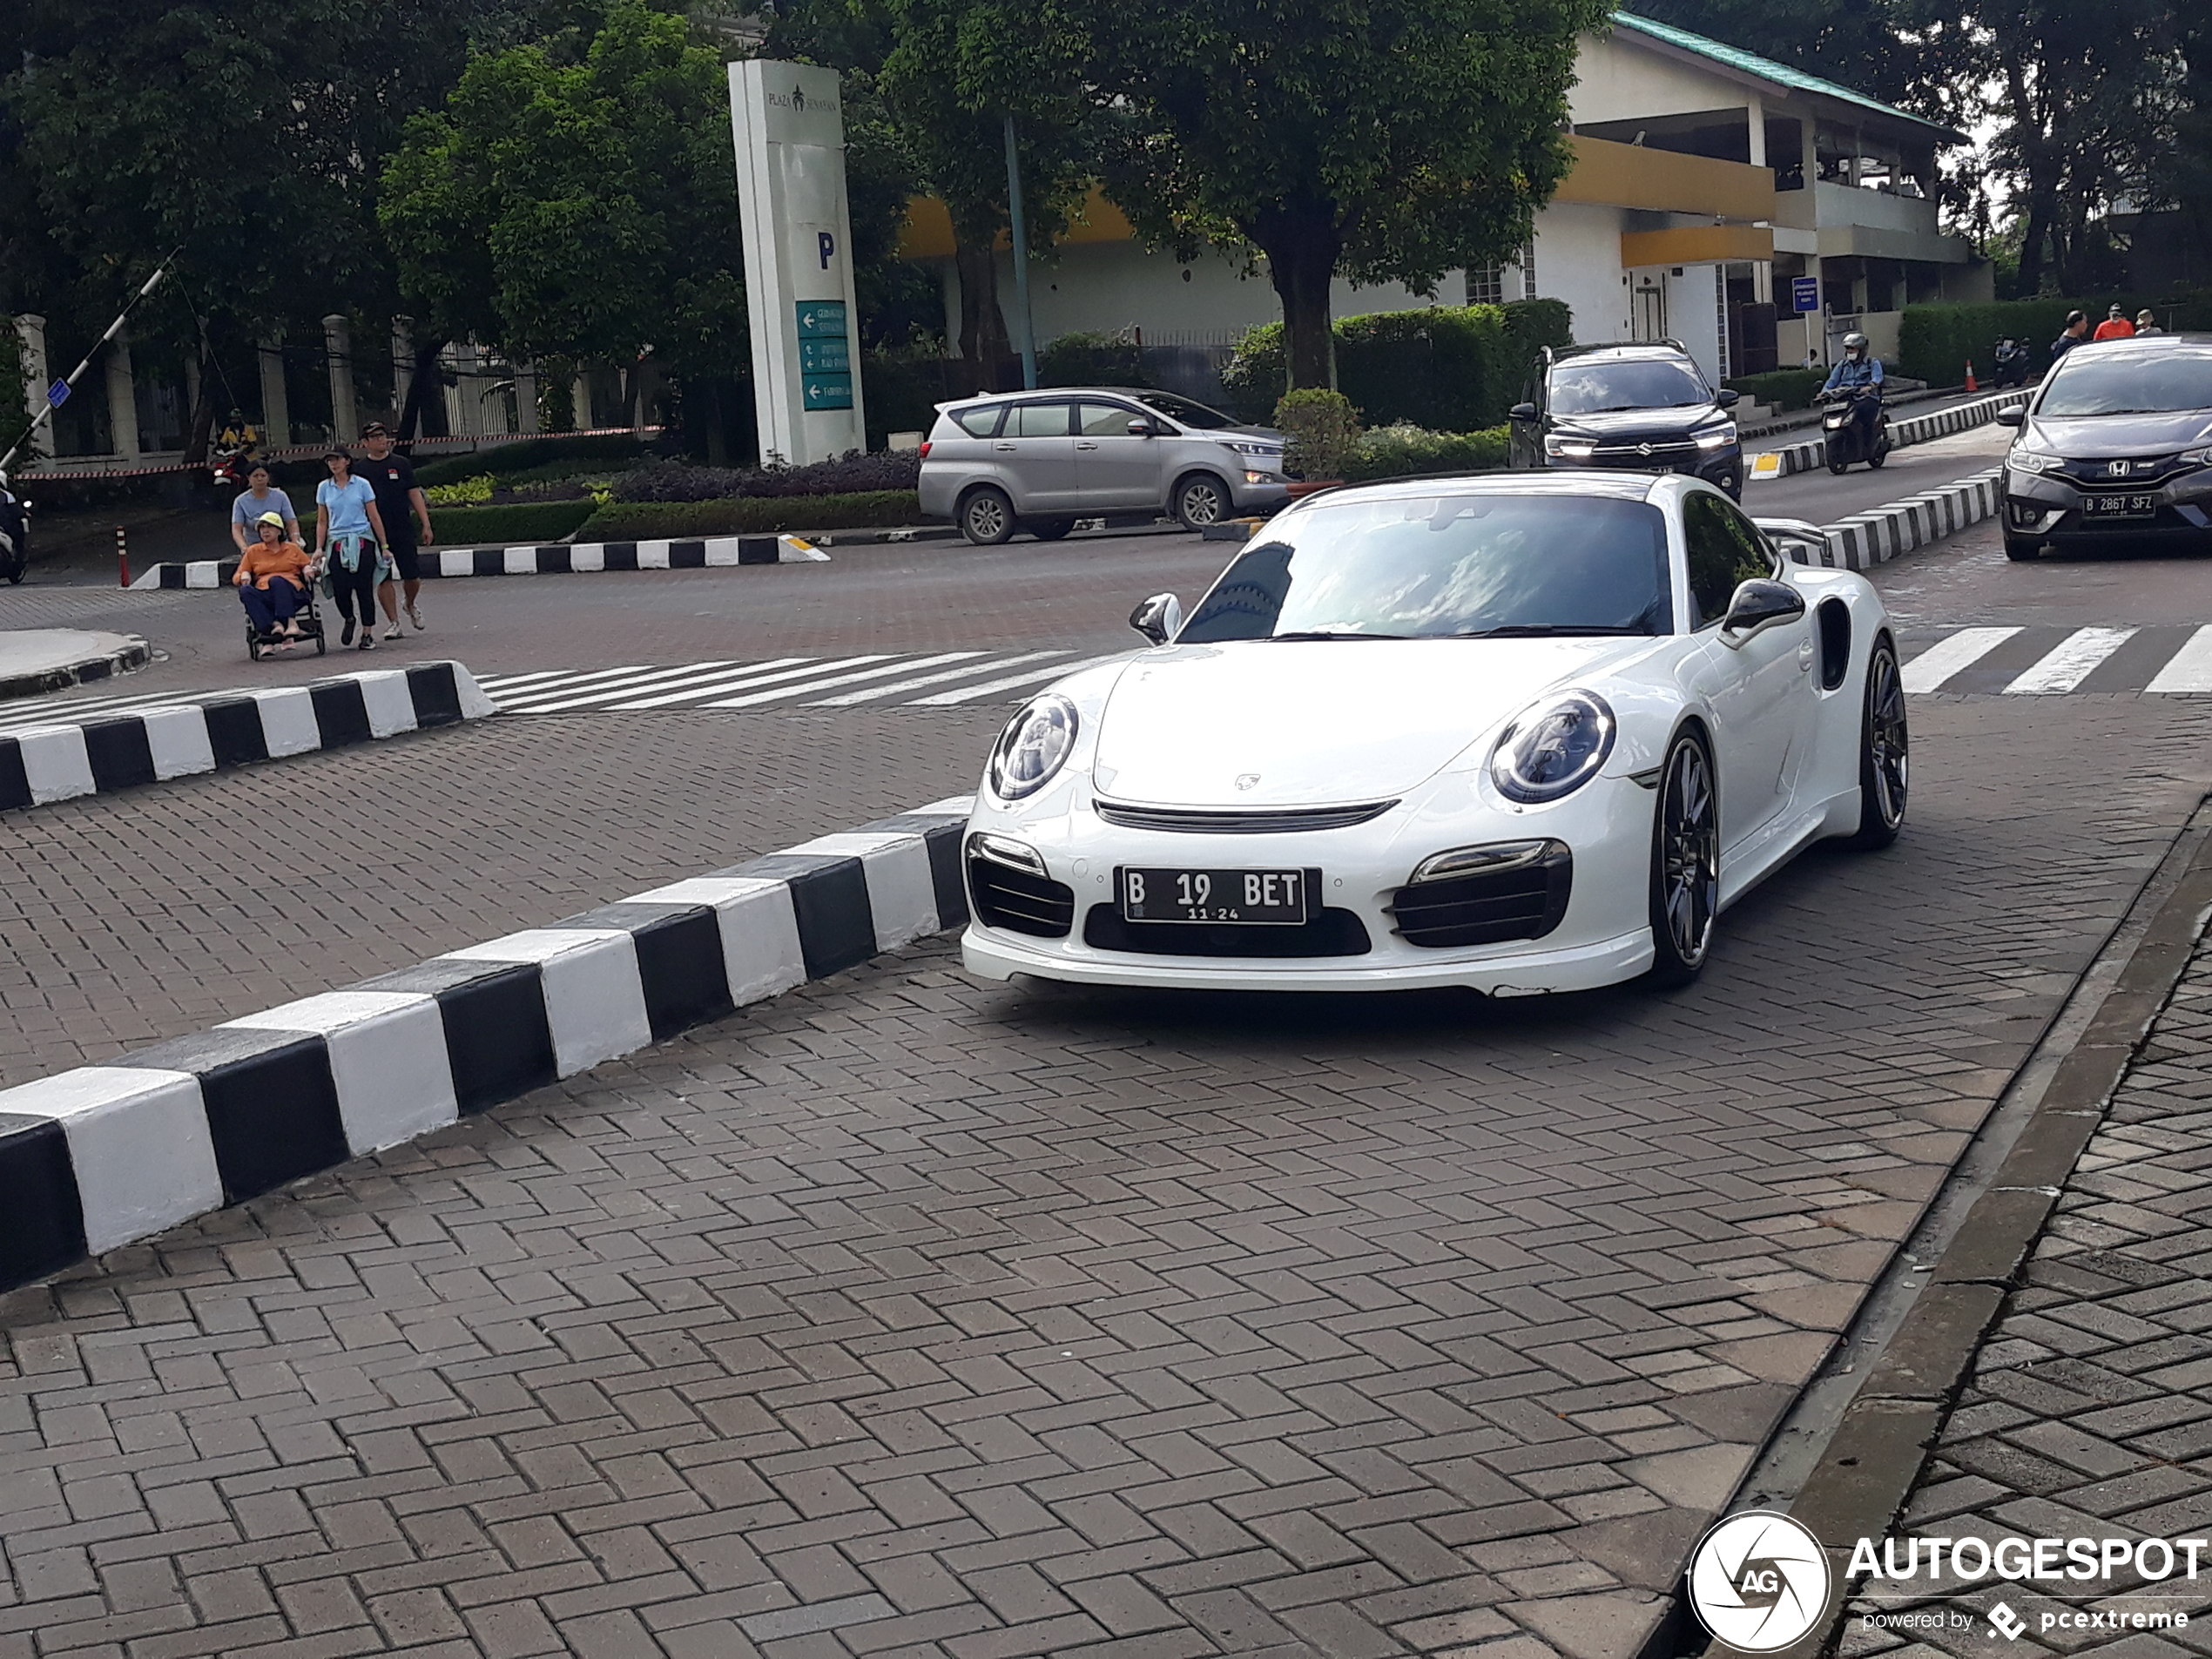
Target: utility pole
[1021,262]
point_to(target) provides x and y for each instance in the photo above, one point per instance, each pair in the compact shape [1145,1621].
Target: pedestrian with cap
[2115,325]
[273,571]
[349,533]
[257,498]
[401,503]
[2147,322]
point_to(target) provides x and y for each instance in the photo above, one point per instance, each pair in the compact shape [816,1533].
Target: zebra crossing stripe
[604,687]
[847,699]
[969,693]
[781,668]
[2070,662]
[756,697]
[2188,670]
[1927,671]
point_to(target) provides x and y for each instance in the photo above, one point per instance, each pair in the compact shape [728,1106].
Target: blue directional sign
[826,391]
[821,319]
[832,356]
[58,395]
[1804,294]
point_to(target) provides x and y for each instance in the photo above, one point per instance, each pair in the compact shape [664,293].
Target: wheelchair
[308,618]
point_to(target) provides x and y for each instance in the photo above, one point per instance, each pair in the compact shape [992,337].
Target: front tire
[1884,751]
[1685,863]
[987,517]
[1050,530]
[2022,550]
[1201,500]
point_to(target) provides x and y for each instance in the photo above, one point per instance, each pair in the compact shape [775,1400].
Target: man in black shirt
[400,504]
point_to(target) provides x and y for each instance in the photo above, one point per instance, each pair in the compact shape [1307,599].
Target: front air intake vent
[1225,821]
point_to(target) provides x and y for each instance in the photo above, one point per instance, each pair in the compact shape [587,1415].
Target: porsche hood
[1299,723]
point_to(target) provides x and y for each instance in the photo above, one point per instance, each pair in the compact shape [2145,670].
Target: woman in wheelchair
[273,578]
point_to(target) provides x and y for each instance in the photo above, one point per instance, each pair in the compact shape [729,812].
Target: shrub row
[509,459]
[851,473]
[1934,342]
[518,522]
[749,516]
[1406,451]
[1455,368]
[1781,388]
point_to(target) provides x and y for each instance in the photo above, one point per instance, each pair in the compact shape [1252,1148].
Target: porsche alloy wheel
[1884,751]
[1685,863]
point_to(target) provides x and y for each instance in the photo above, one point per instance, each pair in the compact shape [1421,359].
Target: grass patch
[655,521]
[522,522]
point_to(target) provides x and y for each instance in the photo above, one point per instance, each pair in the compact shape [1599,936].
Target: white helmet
[1854,342]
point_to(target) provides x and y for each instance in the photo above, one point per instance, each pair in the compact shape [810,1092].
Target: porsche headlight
[1034,746]
[1554,749]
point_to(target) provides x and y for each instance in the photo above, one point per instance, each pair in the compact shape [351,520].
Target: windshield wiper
[1346,633]
[1546,630]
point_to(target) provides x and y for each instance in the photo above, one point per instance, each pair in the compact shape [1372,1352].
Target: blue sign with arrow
[58,395]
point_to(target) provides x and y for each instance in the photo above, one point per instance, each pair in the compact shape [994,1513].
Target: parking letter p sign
[826,244]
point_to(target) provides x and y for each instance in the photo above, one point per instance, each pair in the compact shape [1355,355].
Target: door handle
[1006,447]
[1086,445]
[1805,658]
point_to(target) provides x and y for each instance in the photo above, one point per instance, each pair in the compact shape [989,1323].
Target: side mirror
[2016,416]
[1139,427]
[1521,412]
[1160,618]
[1759,604]
[1728,400]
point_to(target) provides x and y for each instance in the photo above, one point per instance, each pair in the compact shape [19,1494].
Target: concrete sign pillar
[789,124]
[31,328]
[338,346]
[122,398]
[276,402]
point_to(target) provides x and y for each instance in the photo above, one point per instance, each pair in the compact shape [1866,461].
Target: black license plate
[1252,898]
[2119,506]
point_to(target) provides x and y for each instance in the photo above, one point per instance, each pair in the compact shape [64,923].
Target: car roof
[1621,351]
[2145,343]
[1056,391]
[1581,483]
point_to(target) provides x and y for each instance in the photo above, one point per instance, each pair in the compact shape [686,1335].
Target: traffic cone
[1971,387]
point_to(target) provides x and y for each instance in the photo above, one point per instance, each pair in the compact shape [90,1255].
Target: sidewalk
[2088,1413]
[36,660]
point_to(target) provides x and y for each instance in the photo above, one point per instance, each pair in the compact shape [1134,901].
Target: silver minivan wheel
[1201,500]
[987,517]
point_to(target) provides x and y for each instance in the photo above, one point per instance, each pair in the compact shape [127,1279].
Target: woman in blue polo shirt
[349,525]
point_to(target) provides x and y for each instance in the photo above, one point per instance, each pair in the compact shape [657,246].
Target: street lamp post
[1021,262]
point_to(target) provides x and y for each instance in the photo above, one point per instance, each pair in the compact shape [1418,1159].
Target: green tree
[577,198]
[1855,42]
[1380,140]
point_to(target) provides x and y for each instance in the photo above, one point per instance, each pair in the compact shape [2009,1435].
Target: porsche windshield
[1448,567]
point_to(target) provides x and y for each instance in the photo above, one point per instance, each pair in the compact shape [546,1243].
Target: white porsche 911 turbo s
[1520,732]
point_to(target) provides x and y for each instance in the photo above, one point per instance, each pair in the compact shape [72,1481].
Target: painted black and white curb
[62,760]
[1919,429]
[557,558]
[99,1157]
[1864,540]
[128,657]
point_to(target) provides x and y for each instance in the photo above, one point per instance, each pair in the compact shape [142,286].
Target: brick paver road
[906,1315]
[2089,1415]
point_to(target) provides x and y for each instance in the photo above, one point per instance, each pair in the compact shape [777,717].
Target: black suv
[1640,408]
[2115,447]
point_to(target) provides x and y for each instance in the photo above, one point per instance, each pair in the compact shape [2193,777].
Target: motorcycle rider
[2012,362]
[15,535]
[1859,377]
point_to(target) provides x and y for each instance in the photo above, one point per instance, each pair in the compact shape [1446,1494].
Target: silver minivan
[1039,460]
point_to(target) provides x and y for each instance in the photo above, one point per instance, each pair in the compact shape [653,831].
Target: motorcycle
[1845,436]
[2011,363]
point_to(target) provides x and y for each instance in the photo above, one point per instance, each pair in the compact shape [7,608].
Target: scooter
[1846,437]
[2011,363]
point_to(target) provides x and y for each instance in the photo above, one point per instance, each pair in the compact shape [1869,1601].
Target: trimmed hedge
[527,453]
[1935,341]
[653,521]
[850,473]
[1783,388]
[1452,369]
[1407,451]
[520,522]
[1092,359]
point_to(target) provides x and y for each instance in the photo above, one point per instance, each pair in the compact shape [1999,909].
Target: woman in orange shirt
[273,578]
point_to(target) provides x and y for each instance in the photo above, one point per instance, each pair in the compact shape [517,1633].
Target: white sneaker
[415,616]
[393,632]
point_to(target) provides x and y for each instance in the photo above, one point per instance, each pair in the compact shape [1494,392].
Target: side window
[1104,420]
[982,422]
[1724,549]
[1039,421]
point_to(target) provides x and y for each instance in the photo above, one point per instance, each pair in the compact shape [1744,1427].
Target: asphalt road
[911,1315]
[1823,497]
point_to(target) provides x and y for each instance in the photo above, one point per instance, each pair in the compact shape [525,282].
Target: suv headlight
[1247,447]
[1719,438]
[1553,749]
[2029,460]
[1572,448]
[1032,748]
